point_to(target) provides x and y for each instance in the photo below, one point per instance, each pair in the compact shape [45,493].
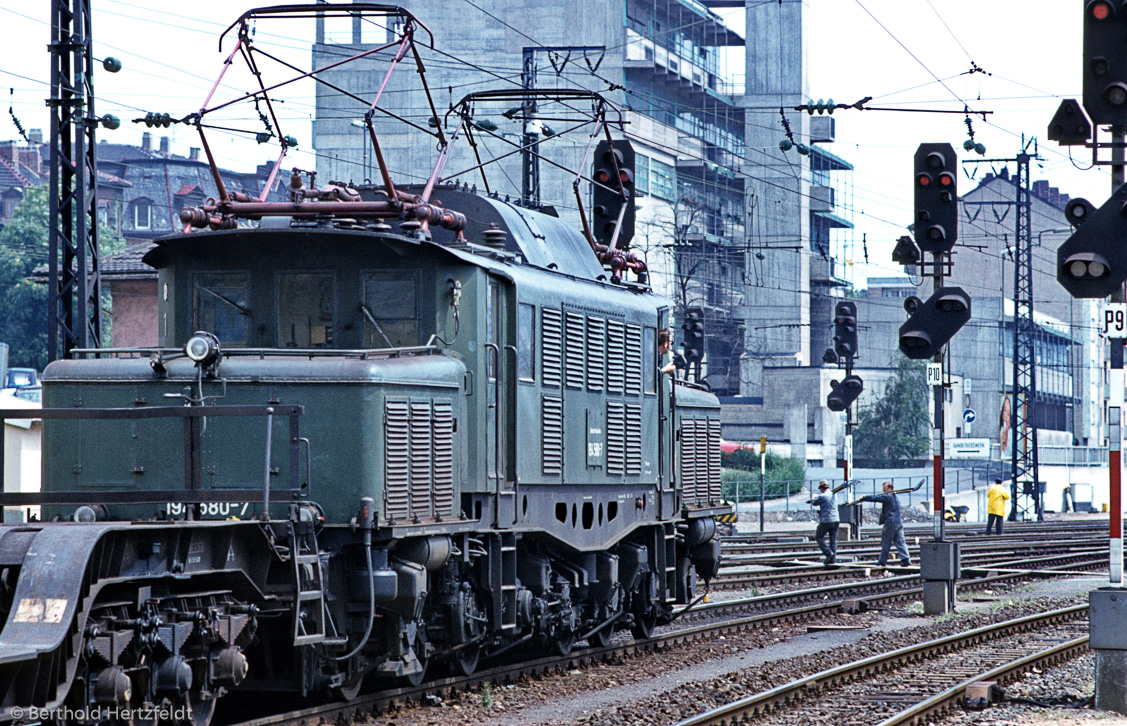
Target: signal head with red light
[936,198]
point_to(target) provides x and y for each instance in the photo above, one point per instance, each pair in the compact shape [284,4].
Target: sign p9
[1115,321]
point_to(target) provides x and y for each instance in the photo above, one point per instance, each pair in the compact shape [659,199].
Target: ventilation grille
[616,438]
[689,460]
[551,359]
[551,435]
[633,360]
[397,459]
[715,489]
[418,459]
[616,356]
[633,439]
[444,456]
[596,353]
[574,350]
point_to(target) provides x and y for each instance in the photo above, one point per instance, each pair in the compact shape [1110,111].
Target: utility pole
[559,56]
[844,393]
[1023,455]
[1090,264]
[74,273]
[931,325]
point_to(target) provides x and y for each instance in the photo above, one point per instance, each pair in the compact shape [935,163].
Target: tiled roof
[10,175]
[122,265]
[128,263]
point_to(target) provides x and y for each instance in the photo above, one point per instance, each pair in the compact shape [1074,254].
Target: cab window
[390,308]
[219,306]
[306,307]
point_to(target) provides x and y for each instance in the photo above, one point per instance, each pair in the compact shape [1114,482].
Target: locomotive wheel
[645,614]
[202,709]
[464,662]
[645,620]
[563,644]
[347,692]
[601,638]
[416,678]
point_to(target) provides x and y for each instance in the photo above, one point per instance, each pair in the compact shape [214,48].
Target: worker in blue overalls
[893,526]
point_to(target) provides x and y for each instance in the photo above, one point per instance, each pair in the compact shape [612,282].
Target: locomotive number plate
[223,510]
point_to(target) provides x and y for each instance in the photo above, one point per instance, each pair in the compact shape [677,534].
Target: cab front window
[390,307]
[219,306]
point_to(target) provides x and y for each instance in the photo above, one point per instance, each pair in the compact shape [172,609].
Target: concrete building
[710,174]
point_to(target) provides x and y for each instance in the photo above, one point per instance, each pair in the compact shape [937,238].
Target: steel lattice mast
[1025,486]
[74,291]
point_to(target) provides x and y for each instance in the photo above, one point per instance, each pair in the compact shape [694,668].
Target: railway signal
[845,330]
[1070,126]
[1105,62]
[1092,263]
[694,336]
[612,200]
[936,206]
[844,393]
[934,322]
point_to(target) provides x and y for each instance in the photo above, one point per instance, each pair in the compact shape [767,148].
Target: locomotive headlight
[202,348]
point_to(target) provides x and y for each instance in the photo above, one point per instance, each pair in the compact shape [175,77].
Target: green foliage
[486,695]
[743,467]
[23,245]
[894,429]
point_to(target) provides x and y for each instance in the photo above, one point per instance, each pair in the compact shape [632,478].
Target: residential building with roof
[141,191]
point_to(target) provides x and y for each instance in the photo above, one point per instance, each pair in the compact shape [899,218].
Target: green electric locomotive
[384,432]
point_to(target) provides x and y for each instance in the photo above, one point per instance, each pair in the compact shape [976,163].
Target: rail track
[874,690]
[720,619]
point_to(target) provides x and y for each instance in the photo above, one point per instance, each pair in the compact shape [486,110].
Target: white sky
[892,50]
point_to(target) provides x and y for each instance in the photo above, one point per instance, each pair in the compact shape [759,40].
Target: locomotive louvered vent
[715,490]
[616,355]
[596,353]
[421,460]
[616,438]
[397,458]
[633,439]
[551,435]
[418,459]
[444,457]
[573,350]
[634,360]
[689,459]
[551,338]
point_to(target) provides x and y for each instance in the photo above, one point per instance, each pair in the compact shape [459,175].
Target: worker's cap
[824,485]
[997,481]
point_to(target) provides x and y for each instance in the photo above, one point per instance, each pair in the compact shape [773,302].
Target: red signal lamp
[1100,10]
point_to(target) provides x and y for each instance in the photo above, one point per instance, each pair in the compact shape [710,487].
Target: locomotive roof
[542,240]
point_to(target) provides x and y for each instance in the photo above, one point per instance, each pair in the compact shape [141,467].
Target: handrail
[363,353]
[192,492]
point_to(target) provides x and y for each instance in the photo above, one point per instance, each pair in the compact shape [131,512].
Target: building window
[142,215]
[641,174]
[662,180]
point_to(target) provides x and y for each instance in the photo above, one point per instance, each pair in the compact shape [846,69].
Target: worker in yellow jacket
[996,497]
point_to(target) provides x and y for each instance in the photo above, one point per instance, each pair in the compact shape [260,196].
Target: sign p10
[1115,321]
